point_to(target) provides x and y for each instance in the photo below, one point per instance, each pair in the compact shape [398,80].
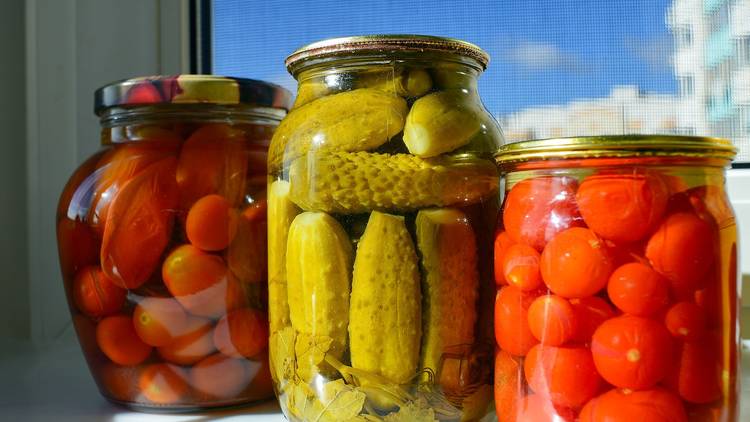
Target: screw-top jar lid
[190,89]
[383,44]
[619,146]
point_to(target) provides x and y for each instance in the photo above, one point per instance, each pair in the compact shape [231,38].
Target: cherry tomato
[118,340]
[552,320]
[195,344]
[686,321]
[139,225]
[682,249]
[539,208]
[508,386]
[511,320]
[211,223]
[622,208]
[96,295]
[247,256]
[637,289]
[629,406]
[576,263]
[77,245]
[502,243]
[163,383]
[200,282]
[696,376]
[521,267]
[535,408]
[120,383]
[242,333]
[632,352]
[590,313]
[709,299]
[566,375]
[220,377]
[159,320]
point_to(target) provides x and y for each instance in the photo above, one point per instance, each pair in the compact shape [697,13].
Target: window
[683,36]
[687,85]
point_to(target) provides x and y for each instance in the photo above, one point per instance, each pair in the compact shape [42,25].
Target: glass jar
[617,273]
[382,201]
[162,241]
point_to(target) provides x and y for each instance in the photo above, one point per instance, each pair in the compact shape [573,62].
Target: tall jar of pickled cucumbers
[382,200]
[162,240]
[617,267]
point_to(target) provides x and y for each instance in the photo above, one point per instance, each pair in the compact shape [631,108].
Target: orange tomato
[511,320]
[565,375]
[508,386]
[195,344]
[140,225]
[118,340]
[247,256]
[242,333]
[632,352]
[220,377]
[502,243]
[96,295]
[521,267]
[637,289]
[696,376]
[576,263]
[539,208]
[163,383]
[552,320]
[682,249]
[535,408]
[212,160]
[686,321]
[159,320]
[77,245]
[120,383]
[211,223]
[622,208]
[200,282]
[629,406]
[590,313]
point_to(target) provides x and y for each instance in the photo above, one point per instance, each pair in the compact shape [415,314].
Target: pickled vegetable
[348,183]
[441,122]
[407,83]
[385,316]
[281,213]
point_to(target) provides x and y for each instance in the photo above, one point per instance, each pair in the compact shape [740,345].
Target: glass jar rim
[382,45]
[614,146]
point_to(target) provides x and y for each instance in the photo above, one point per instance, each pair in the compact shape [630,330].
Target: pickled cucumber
[281,213]
[441,122]
[357,120]
[349,183]
[385,315]
[408,83]
[318,263]
[450,280]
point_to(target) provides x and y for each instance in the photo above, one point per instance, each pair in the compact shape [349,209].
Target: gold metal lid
[384,44]
[618,146]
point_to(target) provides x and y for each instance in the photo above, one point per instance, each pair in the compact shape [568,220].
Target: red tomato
[220,377]
[211,223]
[194,345]
[682,249]
[637,289]
[77,245]
[552,320]
[576,263]
[696,376]
[633,406]
[118,340]
[163,383]
[686,321]
[535,408]
[247,256]
[502,243]
[632,352]
[539,208]
[622,208]
[521,267]
[96,295]
[566,375]
[159,320]
[120,383]
[590,313]
[511,320]
[508,386]
[140,225]
[242,333]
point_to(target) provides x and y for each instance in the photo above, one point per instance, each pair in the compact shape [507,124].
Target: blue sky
[543,51]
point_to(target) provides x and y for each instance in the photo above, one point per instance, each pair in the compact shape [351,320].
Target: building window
[683,36]
[687,85]
[742,44]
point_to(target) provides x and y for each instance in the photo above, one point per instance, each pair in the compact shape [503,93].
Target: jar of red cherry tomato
[162,241]
[616,269]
